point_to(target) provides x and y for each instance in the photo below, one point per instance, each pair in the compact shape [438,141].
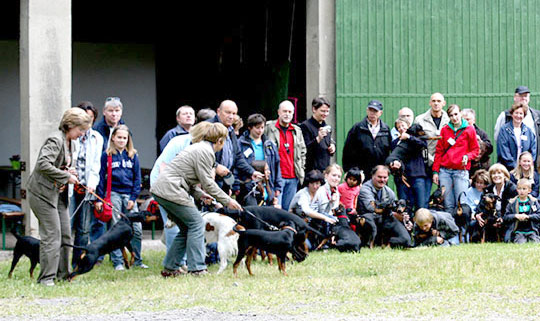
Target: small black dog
[396,224]
[118,237]
[345,239]
[276,242]
[462,216]
[492,228]
[26,245]
[436,200]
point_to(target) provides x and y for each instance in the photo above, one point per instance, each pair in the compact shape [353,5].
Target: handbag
[105,215]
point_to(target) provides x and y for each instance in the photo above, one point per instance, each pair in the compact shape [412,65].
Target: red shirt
[286,153]
[348,195]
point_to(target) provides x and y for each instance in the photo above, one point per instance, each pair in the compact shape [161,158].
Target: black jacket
[409,153]
[362,150]
[239,162]
[317,156]
[509,192]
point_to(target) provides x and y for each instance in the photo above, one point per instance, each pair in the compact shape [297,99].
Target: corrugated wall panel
[476,52]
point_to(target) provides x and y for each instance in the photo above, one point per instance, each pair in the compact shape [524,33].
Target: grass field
[489,281]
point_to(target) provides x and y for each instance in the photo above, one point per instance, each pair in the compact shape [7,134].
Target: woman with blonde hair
[174,188]
[525,169]
[48,196]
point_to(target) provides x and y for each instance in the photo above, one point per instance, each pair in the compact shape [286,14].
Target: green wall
[400,51]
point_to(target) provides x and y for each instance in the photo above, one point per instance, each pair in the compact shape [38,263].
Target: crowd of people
[206,159]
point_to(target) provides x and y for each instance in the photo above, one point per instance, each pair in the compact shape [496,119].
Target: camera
[328,128]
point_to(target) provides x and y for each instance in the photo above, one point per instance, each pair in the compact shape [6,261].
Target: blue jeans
[416,194]
[120,202]
[170,234]
[289,190]
[190,238]
[455,181]
[80,222]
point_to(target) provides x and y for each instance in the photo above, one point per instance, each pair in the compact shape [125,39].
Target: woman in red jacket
[453,155]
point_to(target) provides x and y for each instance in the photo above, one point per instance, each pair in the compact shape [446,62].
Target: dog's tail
[14,230]
[75,246]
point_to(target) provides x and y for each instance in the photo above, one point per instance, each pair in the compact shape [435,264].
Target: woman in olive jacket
[173,190]
[48,195]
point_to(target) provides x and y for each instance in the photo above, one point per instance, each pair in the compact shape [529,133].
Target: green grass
[502,280]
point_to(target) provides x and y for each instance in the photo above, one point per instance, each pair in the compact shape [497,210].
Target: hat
[522,90]
[375,104]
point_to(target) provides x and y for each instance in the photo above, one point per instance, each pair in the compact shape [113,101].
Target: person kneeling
[434,228]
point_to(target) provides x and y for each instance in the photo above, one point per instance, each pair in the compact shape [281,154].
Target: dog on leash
[117,237]
[277,242]
[219,229]
[345,239]
[26,245]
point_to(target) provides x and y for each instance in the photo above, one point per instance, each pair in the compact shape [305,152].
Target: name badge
[437,132]
[248,152]
[451,141]
[523,137]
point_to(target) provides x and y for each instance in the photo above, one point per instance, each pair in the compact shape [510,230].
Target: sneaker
[48,282]
[199,272]
[166,273]
[142,266]
[119,268]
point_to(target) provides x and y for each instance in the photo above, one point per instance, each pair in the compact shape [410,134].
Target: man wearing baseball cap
[368,142]
[532,118]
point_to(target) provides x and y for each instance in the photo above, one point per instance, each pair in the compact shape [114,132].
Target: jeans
[456,181]
[170,234]
[80,222]
[120,202]
[289,190]
[416,194]
[190,238]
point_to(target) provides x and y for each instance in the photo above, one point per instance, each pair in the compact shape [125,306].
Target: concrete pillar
[321,54]
[45,76]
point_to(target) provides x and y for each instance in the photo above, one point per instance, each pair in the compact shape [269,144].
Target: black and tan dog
[396,225]
[26,245]
[277,242]
[260,217]
[436,200]
[117,237]
[486,210]
[344,238]
[462,215]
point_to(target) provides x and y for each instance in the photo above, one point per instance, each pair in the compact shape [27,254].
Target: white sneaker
[48,282]
[119,268]
[142,266]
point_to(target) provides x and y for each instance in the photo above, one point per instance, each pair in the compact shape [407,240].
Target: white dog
[219,229]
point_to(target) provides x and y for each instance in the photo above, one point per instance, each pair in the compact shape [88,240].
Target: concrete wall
[99,71]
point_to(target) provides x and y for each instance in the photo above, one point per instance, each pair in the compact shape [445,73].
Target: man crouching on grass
[522,215]
[434,228]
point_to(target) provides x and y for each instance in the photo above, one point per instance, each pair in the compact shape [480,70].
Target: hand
[233,205]
[480,221]
[73,179]
[465,160]
[330,220]
[222,170]
[99,206]
[436,178]
[322,134]
[130,205]
[256,176]
[440,240]
[332,149]
[395,164]
[404,136]
[72,171]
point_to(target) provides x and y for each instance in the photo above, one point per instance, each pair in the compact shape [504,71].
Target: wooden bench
[9,215]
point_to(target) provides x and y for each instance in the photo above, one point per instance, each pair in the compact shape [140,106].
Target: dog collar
[290,228]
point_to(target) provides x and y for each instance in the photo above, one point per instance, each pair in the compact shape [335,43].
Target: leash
[77,209]
[104,201]
[270,226]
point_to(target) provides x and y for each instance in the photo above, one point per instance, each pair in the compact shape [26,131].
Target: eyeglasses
[112,98]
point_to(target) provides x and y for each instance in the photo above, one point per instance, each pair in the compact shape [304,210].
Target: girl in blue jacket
[126,186]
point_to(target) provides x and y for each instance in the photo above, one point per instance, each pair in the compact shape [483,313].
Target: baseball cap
[522,90]
[375,104]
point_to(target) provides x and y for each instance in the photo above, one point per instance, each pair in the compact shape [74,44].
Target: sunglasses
[112,99]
